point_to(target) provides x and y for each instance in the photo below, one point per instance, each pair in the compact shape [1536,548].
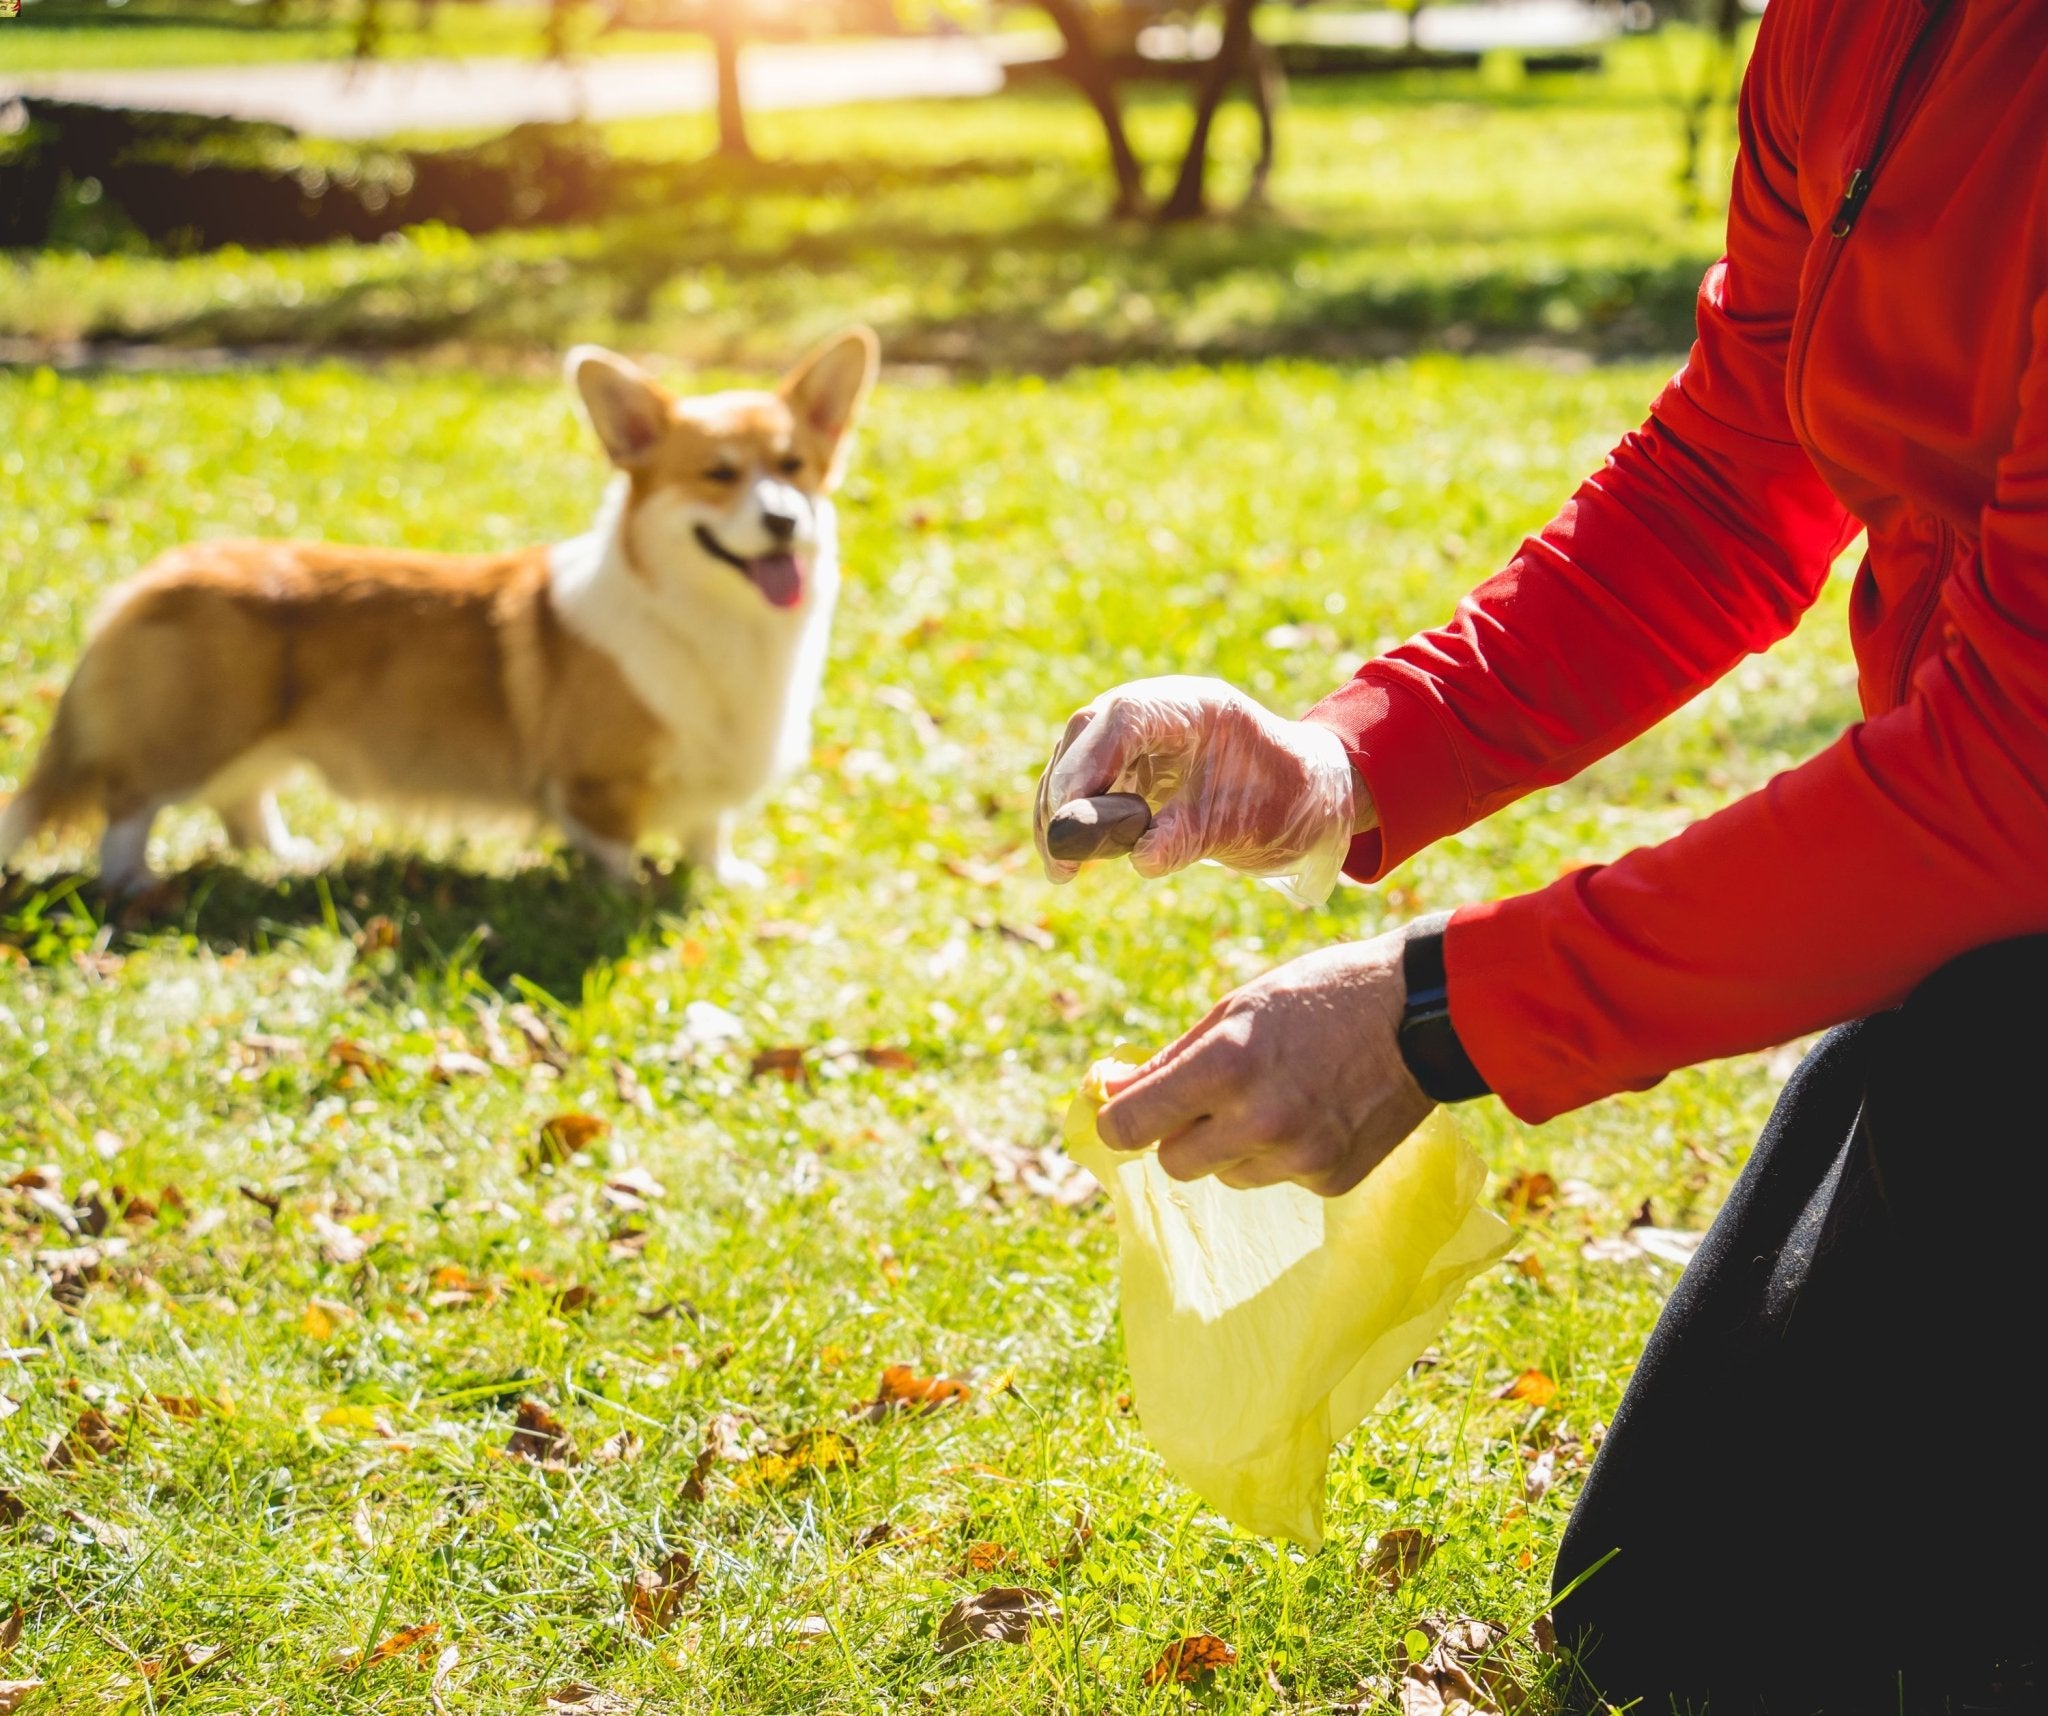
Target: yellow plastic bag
[1261,1326]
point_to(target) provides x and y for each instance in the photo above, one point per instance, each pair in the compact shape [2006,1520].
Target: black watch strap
[1428,1040]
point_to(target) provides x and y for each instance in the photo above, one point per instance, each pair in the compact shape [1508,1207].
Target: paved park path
[338,99]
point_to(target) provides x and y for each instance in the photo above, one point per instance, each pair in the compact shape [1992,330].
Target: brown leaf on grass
[727,1441]
[451,1285]
[12,1513]
[988,1558]
[352,1056]
[1532,1387]
[541,1042]
[1401,1553]
[1464,1662]
[566,1135]
[655,1594]
[627,1087]
[1004,1614]
[1041,1171]
[1187,1660]
[378,935]
[259,1048]
[790,1064]
[189,1408]
[186,1659]
[400,1642]
[1528,1192]
[584,1700]
[631,1189]
[270,1202]
[1540,1476]
[92,1437]
[452,1064]
[619,1450]
[886,1059]
[341,1246]
[15,1693]
[902,1390]
[538,1435]
[10,1630]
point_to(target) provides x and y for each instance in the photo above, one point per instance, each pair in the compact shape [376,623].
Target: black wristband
[1428,1040]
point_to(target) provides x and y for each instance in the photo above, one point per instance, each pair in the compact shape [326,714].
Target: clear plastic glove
[1226,778]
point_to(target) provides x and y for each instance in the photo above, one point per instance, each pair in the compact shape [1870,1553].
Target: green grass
[1012,547]
[972,234]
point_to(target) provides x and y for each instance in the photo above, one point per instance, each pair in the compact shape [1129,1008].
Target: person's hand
[1226,779]
[1296,1076]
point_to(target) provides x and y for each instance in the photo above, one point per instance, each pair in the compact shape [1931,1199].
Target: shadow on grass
[547,925]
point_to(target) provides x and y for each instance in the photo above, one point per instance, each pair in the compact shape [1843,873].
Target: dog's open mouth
[778,576]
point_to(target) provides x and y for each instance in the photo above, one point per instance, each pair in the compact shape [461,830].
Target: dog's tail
[57,791]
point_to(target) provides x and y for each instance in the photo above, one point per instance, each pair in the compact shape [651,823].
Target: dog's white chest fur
[734,683]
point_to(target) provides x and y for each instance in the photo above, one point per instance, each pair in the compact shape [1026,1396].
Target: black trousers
[1822,1490]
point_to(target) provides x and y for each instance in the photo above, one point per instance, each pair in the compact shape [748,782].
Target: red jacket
[1872,355]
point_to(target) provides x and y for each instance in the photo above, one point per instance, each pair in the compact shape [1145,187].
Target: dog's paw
[735,872]
[301,857]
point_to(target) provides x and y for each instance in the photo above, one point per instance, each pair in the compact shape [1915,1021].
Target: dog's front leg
[601,820]
[709,847]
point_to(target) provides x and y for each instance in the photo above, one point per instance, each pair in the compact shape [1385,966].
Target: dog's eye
[722,474]
[790,464]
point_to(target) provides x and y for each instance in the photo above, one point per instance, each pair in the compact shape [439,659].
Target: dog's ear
[627,407]
[827,390]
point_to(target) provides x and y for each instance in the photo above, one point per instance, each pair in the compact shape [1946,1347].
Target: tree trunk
[1189,200]
[1269,85]
[732,116]
[1085,69]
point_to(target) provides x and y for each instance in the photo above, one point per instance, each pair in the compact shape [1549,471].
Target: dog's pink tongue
[779,577]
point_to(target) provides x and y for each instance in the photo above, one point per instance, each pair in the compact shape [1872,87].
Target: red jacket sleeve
[1703,539]
[1916,836]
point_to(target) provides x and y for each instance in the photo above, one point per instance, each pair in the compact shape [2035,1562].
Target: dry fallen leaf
[12,1513]
[1188,1659]
[988,1558]
[1004,1614]
[1462,1671]
[270,1201]
[1542,1473]
[1401,1553]
[405,1639]
[902,1389]
[727,1440]
[10,1631]
[618,1450]
[92,1437]
[452,1064]
[352,1056]
[1531,1386]
[15,1693]
[186,1659]
[888,1059]
[655,1594]
[631,1189]
[538,1435]
[588,1700]
[787,1064]
[341,1246]
[566,1135]
[1526,1193]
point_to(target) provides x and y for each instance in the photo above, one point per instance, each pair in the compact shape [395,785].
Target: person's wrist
[1365,815]
[1426,1037]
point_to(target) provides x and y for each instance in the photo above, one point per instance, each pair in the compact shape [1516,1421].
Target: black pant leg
[1817,1486]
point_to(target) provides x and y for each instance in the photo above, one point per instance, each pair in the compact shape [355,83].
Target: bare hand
[1296,1076]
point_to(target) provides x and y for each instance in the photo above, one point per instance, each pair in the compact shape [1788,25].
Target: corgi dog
[652,676]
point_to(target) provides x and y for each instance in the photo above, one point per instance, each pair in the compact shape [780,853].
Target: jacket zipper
[1855,193]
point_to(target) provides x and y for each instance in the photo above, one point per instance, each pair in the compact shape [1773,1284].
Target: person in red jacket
[1816,1487]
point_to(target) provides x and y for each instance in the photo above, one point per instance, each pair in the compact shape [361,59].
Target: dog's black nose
[780,525]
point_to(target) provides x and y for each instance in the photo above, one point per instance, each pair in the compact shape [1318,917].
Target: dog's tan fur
[461,680]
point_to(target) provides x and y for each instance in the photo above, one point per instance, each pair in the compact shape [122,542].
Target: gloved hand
[1226,779]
